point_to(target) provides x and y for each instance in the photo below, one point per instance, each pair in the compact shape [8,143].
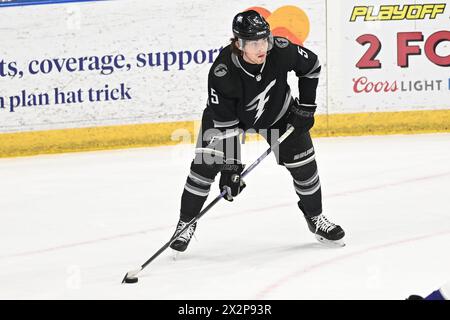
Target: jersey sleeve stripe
[315,70]
[220,124]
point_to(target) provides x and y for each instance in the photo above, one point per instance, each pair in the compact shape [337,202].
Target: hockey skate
[183,240]
[326,232]
[415,297]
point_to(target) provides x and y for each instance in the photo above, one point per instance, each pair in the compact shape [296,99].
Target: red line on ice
[285,279]
[131,234]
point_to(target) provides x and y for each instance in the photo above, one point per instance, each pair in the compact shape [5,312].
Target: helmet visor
[255,45]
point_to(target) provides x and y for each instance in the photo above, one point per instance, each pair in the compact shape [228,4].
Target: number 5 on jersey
[214,97]
[302,52]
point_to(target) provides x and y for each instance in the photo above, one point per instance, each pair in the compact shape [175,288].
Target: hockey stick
[130,277]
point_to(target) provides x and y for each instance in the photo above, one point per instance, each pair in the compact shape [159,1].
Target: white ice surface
[72,225]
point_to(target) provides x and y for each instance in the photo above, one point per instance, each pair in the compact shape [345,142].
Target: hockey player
[248,90]
[443,293]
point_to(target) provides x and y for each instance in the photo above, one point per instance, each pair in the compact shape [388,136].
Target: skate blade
[175,254]
[331,243]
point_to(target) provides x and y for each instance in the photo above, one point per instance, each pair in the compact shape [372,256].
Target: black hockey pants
[296,153]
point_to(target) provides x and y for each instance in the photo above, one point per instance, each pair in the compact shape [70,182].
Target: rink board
[157,134]
[61,93]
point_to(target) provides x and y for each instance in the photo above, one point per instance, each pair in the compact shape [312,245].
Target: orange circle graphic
[286,33]
[262,11]
[289,22]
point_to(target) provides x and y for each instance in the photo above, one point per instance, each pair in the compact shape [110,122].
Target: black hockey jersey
[246,96]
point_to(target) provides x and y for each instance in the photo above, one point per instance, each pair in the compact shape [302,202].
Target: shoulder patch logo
[220,70]
[281,42]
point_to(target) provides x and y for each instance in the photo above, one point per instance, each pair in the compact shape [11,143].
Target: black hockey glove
[302,116]
[230,180]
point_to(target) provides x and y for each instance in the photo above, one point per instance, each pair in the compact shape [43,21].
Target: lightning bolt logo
[260,101]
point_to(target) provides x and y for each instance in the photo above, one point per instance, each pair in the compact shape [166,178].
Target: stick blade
[125,278]
[130,276]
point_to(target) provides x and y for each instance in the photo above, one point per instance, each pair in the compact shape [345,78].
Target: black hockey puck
[131,280]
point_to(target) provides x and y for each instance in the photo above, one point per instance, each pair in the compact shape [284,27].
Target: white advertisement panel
[99,63]
[388,55]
